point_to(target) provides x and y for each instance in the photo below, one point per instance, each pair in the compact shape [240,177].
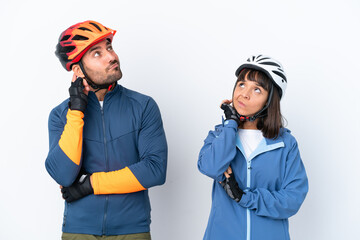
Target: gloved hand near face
[78,99]
[230,112]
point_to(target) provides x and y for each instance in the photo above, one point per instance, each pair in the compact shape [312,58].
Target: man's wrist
[91,181]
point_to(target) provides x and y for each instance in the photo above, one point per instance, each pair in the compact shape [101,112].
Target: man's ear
[77,70]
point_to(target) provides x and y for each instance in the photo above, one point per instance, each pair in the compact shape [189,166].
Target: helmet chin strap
[260,113]
[91,83]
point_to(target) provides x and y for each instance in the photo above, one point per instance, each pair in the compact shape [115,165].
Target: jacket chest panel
[266,170]
[112,123]
[110,138]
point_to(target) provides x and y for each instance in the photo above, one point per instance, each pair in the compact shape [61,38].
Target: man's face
[102,64]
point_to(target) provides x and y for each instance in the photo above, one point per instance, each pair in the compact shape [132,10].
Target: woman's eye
[257,90]
[241,85]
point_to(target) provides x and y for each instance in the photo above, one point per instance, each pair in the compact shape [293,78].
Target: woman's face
[249,97]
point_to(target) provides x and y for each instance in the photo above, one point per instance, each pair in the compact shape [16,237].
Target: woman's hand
[230,186]
[228,172]
[229,111]
[226,101]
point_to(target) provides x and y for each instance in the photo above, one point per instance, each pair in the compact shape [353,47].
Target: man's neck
[101,94]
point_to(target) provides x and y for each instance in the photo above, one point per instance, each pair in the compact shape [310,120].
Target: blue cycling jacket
[273,179]
[123,145]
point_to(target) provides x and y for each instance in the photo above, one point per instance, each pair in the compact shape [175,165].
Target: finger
[74,78]
[61,187]
[86,87]
[226,101]
[226,175]
[229,170]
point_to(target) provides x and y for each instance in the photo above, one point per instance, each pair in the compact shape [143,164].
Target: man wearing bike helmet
[107,143]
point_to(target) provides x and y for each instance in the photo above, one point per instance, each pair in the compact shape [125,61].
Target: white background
[184,54]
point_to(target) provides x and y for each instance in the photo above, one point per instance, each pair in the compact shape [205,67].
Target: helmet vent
[271,63]
[85,29]
[68,49]
[79,37]
[64,38]
[280,74]
[95,25]
[263,59]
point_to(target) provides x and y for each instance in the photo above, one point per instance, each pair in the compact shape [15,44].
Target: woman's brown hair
[271,123]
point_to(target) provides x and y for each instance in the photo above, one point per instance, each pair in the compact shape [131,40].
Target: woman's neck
[250,125]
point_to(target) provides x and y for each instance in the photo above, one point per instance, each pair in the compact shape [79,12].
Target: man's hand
[231,187]
[80,188]
[78,94]
[229,111]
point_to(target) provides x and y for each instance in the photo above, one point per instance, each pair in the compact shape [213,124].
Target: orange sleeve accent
[116,182]
[71,138]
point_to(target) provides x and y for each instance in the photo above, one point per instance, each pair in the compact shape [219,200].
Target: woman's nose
[245,94]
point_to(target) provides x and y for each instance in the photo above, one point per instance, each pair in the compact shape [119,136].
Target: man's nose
[110,56]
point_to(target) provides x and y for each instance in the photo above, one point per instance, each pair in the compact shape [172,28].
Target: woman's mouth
[241,104]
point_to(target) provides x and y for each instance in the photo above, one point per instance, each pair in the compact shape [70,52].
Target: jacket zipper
[107,169]
[248,170]
[248,175]
[248,182]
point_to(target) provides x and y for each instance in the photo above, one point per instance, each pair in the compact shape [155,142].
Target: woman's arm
[286,202]
[218,151]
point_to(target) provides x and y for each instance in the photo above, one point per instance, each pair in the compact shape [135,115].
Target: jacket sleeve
[150,170]
[286,202]
[218,151]
[65,146]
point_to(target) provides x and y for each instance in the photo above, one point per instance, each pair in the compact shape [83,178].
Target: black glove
[80,188]
[230,112]
[232,188]
[78,99]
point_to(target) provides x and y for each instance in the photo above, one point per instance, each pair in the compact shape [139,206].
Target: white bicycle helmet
[272,68]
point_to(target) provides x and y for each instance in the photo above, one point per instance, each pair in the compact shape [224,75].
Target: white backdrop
[184,54]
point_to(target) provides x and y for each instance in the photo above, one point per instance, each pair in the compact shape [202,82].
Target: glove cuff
[86,185]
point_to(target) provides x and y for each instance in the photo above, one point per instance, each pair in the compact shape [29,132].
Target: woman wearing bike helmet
[259,178]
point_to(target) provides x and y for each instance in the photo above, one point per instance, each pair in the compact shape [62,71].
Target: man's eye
[110,48]
[96,54]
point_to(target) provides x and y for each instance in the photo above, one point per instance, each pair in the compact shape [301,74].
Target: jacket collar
[264,146]
[108,97]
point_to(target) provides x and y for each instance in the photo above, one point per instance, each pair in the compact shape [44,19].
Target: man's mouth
[113,66]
